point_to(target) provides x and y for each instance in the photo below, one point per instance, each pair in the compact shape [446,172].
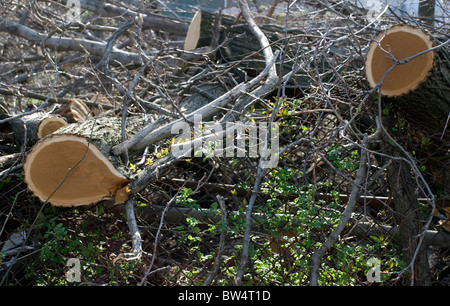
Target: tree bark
[7,161]
[179,215]
[73,166]
[409,221]
[75,110]
[152,21]
[238,43]
[414,78]
[29,129]
[67,43]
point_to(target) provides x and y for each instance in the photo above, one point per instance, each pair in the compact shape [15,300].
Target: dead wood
[77,166]
[360,229]
[408,219]
[29,129]
[411,77]
[66,43]
[75,110]
[7,161]
[149,20]
[238,43]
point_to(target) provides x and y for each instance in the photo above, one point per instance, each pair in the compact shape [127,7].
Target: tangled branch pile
[358,156]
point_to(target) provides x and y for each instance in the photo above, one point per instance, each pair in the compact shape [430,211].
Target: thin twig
[268,56]
[317,256]
[158,232]
[219,259]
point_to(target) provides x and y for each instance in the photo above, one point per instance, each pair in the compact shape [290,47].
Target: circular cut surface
[91,180]
[49,125]
[402,42]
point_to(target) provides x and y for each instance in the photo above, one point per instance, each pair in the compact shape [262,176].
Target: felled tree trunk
[409,220]
[75,110]
[7,161]
[419,87]
[73,166]
[149,20]
[237,43]
[29,129]
[426,10]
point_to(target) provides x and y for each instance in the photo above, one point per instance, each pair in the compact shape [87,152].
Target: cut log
[402,42]
[75,110]
[361,229]
[49,125]
[420,87]
[73,167]
[37,126]
[238,43]
[68,171]
[193,33]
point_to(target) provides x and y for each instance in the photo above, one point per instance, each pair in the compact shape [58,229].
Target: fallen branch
[51,100]
[29,129]
[136,239]
[225,190]
[219,259]
[268,57]
[204,112]
[359,229]
[316,258]
[153,21]
[67,43]
[7,161]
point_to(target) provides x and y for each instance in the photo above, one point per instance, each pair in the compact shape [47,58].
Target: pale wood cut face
[193,33]
[401,44]
[50,125]
[90,181]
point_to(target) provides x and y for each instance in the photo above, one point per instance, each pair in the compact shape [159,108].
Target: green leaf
[376,239]
[392,143]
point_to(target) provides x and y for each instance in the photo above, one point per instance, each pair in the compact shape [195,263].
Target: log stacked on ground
[29,129]
[421,86]
[75,110]
[73,166]
[234,41]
